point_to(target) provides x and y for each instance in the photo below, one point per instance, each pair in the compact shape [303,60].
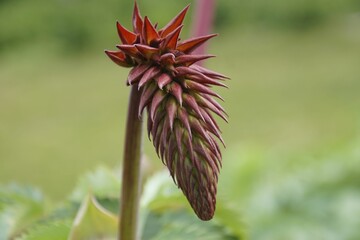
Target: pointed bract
[118,58]
[171,40]
[125,35]
[163,80]
[149,32]
[137,20]
[188,60]
[190,45]
[146,51]
[175,22]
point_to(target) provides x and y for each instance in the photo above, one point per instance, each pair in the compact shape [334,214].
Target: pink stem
[203,21]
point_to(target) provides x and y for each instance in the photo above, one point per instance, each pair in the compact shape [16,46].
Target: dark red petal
[201,78]
[146,97]
[178,136]
[149,125]
[190,45]
[146,50]
[171,107]
[130,50]
[125,35]
[158,120]
[157,133]
[136,73]
[176,91]
[137,20]
[215,103]
[205,102]
[157,99]
[210,120]
[196,125]
[118,57]
[167,59]
[212,127]
[149,75]
[171,40]
[191,102]
[208,158]
[170,159]
[149,32]
[174,23]
[163,80]
[209,73]
[201,88]
[165,133]
[191,59]
[184,118]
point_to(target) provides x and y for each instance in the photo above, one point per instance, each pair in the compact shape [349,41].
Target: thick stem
[203,20]
[131,176]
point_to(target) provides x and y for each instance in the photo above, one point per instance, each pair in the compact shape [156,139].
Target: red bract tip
[146,50]
[125,35]
[118,58]
[149,32]
[175,22]
[137,20]
[190,45]
[171,40]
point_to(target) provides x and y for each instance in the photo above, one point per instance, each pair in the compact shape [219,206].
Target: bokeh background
[292,162]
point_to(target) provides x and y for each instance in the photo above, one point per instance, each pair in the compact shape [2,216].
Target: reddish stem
[131,176]
[203,21]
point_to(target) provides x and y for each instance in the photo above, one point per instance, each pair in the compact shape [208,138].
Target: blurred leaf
[298,197]
[231,219]
[167,215]
[19,207]
[102,183]
[161,192]
[179,225]
[53,231]
[93,222]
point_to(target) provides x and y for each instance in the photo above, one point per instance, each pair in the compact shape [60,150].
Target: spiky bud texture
[177,96]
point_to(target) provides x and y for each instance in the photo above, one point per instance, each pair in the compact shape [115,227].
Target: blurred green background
[292,163]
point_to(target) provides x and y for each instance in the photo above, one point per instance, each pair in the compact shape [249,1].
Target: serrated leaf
[53,231]
[93,222]
[180,224]
[20,206]
[168,215]
[160,192]
[102,183]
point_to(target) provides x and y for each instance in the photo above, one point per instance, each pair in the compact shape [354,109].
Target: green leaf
[160,192]
[19,207]
[93,222]
[167,215]
[180,224]
[102,183]
[53,231]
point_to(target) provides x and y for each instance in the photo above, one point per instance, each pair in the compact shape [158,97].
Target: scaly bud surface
[178,98]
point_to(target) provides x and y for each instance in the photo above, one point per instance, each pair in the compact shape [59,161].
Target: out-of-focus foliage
[93,222]
[303,197]
[19,208]
[164,214]
[80,25]
[295,15]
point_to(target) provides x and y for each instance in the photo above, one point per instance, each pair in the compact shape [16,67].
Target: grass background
[293,97]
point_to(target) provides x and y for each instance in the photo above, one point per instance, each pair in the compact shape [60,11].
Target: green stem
[131,176]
